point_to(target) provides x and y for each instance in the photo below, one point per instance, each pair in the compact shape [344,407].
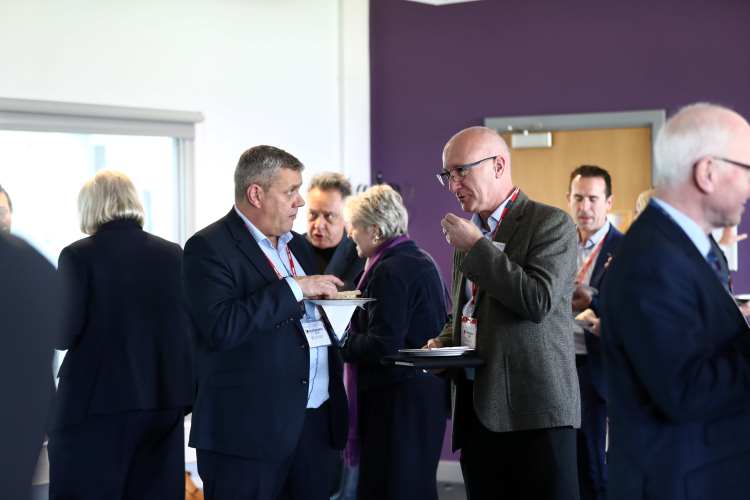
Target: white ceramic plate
[339,302]
[439,351]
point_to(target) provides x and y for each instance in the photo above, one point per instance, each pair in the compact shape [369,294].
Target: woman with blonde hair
[399,413]
[126,382]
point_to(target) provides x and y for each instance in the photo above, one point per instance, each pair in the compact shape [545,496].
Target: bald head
[479,162]
[481,140]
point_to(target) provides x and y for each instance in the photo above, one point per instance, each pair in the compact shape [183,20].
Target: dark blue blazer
[29,324]
[595,363]
[252,358]
[125,326]
[410,309]
[677,359]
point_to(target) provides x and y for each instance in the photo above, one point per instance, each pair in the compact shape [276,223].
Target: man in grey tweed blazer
[514,266]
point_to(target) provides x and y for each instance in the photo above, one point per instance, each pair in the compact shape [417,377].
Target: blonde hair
[108,196]
[380,206]
[642,201]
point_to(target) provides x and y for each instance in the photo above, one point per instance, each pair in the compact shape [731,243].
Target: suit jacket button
[302,346]
[304,381]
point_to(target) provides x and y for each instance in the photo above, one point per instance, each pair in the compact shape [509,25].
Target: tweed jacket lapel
[508,228]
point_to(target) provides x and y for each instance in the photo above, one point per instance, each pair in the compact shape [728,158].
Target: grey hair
[695,131]
[380,206]
[259,165]
[329,181]
[108,196]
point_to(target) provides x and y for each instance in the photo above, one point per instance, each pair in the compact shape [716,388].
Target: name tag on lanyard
[316,333]
[469,325]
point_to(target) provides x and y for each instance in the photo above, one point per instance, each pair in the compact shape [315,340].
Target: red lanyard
[508,206]
[583,271]
[291,264]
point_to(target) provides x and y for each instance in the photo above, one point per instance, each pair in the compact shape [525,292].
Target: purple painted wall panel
[436,70]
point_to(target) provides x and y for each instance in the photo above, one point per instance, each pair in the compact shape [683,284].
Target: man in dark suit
[270,409]
[335,253]
[677,348]
[514,264]
[590,200]
[30,318]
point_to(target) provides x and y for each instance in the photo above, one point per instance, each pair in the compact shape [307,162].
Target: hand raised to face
[460,233]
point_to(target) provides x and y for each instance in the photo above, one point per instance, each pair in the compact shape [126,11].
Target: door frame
[652,118]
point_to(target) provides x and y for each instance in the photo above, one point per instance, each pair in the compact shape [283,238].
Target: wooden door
[625,153]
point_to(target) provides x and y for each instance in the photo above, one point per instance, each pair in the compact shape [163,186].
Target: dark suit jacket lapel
[604,255]
[301,251]
[248,246]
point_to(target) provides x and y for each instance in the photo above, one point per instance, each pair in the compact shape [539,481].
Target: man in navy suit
[270,410]
[677,348]
[590,200]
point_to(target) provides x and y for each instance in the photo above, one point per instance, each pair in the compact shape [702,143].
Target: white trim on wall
[47,116]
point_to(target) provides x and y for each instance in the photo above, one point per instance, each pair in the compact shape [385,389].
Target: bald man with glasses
[514,265]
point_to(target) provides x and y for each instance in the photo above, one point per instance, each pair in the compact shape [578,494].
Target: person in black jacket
[126,382]
[29,315]
[270,412]
[400,413]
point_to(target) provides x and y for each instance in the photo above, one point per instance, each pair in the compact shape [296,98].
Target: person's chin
[467,206]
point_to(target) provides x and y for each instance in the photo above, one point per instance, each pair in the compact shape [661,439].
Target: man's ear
[500,162]
[254,195]
[705,174]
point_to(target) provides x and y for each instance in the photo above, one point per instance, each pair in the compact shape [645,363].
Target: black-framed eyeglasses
[738,163]
[459,172]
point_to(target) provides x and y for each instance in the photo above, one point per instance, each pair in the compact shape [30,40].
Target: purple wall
[436,70]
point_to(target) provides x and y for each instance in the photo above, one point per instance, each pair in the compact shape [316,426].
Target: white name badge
[468,332]
[316,333]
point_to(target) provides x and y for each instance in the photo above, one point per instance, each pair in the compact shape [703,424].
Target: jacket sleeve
[75,279]
[225,317]
[385,320]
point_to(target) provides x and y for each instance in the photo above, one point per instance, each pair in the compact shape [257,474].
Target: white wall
[284,72]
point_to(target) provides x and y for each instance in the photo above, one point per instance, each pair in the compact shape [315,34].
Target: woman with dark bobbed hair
[399,415]
[125,383]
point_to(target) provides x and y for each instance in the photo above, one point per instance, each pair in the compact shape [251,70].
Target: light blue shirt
[688,225]
[317,391]
[586,247]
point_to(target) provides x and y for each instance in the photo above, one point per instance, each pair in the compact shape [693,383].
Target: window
[48,150]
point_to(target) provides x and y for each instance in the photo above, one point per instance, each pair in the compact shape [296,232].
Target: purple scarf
[351,452]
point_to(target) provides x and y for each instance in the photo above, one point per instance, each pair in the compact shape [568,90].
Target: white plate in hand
[437,351]
[340,302]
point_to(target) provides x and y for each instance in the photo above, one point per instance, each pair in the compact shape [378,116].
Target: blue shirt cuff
[296,289]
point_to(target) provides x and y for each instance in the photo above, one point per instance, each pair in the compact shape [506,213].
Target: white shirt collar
[595,238]
[258,235]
